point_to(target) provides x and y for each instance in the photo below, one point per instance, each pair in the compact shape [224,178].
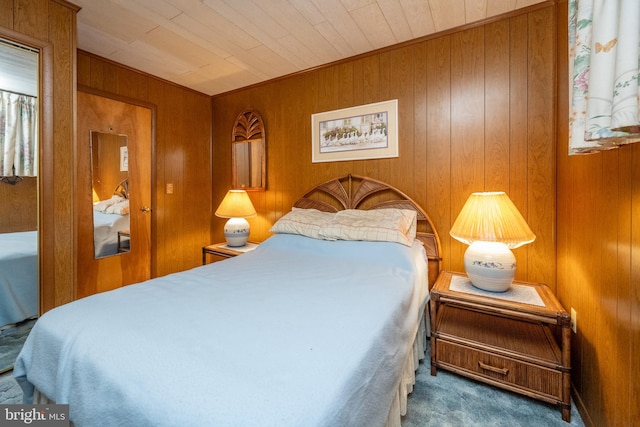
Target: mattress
[18,276]
[297,332]
[105,232]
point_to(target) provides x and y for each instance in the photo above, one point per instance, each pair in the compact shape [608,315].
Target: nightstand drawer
[500,369]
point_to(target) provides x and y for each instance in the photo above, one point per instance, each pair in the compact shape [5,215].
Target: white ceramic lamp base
[490,266]
[236,232]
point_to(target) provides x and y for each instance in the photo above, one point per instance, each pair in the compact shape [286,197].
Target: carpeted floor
[446,400]
[449,400]
[10,391]
[11,341]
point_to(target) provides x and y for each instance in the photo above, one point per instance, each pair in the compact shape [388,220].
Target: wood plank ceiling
[214,46]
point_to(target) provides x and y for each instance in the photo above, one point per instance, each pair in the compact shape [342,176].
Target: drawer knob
[501,371]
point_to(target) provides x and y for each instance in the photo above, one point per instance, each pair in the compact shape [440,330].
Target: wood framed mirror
[22,117]
[248,152]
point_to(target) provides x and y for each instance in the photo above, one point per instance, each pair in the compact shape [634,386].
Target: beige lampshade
[491,217]
[236,204]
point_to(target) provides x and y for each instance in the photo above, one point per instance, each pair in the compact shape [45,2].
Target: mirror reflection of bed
[110,188]
[18,292]
[111,225]
[19,281]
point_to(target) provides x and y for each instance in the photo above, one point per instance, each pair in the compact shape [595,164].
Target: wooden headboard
[357,192]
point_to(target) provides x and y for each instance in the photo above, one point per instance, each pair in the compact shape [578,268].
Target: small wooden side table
[519,346]
[124,243]
[225,251]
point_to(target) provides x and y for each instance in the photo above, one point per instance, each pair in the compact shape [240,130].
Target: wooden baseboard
[582,409]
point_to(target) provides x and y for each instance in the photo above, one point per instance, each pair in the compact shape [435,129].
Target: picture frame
[124,158]
[356,133]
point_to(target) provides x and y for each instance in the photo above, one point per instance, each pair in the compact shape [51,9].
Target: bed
[18,277]
[314,327]
[110,217]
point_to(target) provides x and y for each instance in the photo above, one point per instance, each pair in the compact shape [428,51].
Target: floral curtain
[604,52]
[18,134]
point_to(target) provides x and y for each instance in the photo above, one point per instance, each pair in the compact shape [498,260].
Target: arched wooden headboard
[358,192]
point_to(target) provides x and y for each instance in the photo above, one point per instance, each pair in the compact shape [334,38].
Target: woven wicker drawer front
[502,369]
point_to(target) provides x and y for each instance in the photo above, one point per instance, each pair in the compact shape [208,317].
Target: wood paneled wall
[599,266]
[182,157]
[50,25]
[19,206]
[476,113]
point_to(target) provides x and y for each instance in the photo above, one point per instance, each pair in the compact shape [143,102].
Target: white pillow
[120,208]
[103,205]
[306,222]
[377,225]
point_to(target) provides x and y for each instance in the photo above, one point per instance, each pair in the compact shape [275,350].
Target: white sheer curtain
[604,52]
[18,135]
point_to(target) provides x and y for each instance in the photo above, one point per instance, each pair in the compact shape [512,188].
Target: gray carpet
[10,391]
[446,400]
[11,341]
[449,400]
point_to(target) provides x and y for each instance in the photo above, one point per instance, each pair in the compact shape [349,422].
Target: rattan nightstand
[522,347]
[224,251]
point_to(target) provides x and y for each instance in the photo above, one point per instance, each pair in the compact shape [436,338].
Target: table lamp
[491,225]
[236,206]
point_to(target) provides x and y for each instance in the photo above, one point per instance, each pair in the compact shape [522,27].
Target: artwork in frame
[124,159]
[356,133]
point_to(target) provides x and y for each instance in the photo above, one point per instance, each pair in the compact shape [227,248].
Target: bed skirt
[398,406]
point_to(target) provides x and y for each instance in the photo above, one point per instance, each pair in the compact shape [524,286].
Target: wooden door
[98,114]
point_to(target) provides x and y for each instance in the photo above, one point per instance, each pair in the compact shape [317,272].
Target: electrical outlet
[170,188]
[574,320]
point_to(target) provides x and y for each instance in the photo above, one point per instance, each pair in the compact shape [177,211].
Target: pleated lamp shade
[491,217]
[236,206]
[491,225]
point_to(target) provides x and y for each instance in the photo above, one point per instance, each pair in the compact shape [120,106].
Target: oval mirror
[248,154]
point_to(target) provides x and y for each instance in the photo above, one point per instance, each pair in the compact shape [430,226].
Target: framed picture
[124,159]
[357,133]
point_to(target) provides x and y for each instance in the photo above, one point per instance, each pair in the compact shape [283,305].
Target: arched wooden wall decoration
[248,154]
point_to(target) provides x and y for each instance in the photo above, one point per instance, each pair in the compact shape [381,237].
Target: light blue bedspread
[18,276]
[299,332]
